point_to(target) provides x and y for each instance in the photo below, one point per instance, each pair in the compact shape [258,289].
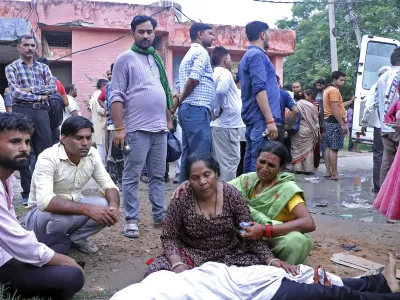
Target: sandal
[131,230]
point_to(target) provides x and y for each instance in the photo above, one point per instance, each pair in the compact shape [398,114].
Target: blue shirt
[257,74]
[7,99]
[197,65]
[286,101]
[108,105]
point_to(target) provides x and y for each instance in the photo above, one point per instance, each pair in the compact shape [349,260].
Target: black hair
[196,28]
[278,78]
[209,161]
[218,54]
[112,67]
[69,88]
[321,81]
[395,57]
[337,74]
[15,122]
[275,148]
[287,87]
[43,60]
[101,82]
[25,37]
[73,124]
[137,20]
[308,92]
[254,29]
[299,95]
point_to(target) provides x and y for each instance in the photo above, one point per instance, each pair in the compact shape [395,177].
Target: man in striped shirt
[30,83]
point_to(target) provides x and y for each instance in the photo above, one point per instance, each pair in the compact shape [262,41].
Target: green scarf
[267,205]
[163,74]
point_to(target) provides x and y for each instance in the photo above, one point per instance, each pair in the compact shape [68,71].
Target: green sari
[293,247]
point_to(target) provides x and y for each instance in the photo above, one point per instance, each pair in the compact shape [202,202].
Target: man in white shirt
[29,265]
[56,191]
[227,111]
[73,108]
[371,119]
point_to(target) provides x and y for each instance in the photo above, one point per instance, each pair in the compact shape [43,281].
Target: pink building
[67,26]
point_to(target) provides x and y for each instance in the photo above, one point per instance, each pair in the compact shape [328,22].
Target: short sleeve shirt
[332,94]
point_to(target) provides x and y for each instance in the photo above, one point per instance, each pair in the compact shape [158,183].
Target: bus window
[378,55]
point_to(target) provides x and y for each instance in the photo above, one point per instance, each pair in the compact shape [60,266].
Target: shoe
[88,247]
[158,223]
[176,181]
[25,201]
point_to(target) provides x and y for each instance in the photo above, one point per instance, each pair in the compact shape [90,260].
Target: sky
[227,12]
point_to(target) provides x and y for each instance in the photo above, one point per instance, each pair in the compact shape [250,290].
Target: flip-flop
[335,178]
[131,230]
[326,176]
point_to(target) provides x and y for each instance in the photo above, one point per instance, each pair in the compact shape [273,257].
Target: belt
[34,105]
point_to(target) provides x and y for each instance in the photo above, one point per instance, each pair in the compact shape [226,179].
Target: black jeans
[56,282]
[41,140]
[378,154]
[365,288]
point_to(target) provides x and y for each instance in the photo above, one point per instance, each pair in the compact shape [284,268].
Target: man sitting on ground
[29,265]
[56,195]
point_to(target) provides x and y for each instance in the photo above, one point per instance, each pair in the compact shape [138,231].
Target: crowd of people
[257,218]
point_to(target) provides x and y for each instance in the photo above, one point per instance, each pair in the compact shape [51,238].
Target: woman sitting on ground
[277,205]
[204,225]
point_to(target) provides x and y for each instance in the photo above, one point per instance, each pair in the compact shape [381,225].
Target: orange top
[332,94]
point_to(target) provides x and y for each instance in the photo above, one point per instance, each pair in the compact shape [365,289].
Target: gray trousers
[79,228]
[378,153]
[148,148]
[226,150]
[390,144]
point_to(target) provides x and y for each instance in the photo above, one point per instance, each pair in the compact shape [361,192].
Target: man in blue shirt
[260,93]
[286,101]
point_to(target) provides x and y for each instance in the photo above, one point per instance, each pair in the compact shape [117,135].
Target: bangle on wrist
[272,260]
[179,263]
[268,231]
[270,121]
[81,209]
[119,128]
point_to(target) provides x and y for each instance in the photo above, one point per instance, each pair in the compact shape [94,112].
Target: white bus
[375,53]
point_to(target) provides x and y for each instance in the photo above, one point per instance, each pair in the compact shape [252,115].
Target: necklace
[215,205]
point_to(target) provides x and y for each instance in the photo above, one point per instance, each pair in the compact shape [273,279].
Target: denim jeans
[254,140]
[196,132]
[148,148]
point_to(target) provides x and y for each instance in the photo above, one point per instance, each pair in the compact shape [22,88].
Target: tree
[311,60]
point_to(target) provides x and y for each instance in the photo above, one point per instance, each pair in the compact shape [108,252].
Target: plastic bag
[174,148]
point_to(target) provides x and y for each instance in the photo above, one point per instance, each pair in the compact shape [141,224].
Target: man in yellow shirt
[335,122]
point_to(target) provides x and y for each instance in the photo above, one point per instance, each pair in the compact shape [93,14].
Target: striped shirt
[136,84]
[197,65]
[37,77]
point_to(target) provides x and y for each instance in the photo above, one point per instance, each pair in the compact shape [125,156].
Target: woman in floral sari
[305,140]
[277,205]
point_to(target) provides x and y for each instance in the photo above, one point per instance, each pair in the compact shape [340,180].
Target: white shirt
[2,106]
[71,107]
[370,113]
[227,98]
[56,175]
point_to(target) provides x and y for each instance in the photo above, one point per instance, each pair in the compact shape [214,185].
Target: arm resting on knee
[303,222]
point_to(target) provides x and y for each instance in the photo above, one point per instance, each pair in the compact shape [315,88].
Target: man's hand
[63,260]
[119,138]
[170,125]
[345,129]
[27,90]
[272,131]
[101,214]
[363,131]
[176,98]
[44,97]
[115,211]
[287,127]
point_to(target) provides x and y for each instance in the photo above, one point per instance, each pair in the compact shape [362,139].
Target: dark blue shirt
[256,74]
[286,101]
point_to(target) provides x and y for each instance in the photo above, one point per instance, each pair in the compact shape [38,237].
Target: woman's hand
[294,270]
[180,269]
[254,233]
[181,188]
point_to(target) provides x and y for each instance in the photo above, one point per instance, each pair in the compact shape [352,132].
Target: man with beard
[29,265]
[56,194]
[260,93]
[140,102]
[30,83]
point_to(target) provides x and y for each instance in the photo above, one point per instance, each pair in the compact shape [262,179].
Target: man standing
[73,108]
[29,265]
[371,119]
[8,100]
[335,123]
[140,103]
[196,96]
[56,193]
[227,107]
[30,83]
[260,93]
[296,87]
[320,86]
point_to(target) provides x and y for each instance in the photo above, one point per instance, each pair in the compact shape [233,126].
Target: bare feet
[335,177]
[389,272]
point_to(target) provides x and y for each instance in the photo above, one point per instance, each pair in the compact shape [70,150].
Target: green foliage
[312,58]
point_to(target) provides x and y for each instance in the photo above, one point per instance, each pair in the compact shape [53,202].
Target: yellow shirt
[56,175]
[332,94]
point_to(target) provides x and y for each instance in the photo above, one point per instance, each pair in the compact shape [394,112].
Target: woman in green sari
[277,205]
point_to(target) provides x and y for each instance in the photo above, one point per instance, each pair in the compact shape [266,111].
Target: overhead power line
[317,2]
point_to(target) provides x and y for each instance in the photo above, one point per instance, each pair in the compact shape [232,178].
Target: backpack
[56,110]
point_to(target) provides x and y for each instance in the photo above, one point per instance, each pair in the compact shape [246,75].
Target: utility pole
[332,36]
[353,19]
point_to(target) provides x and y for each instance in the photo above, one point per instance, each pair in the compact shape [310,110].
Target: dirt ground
[122,261]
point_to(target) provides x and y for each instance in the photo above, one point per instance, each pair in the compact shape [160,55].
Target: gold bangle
[119,128]
[179,263]
[272,260]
